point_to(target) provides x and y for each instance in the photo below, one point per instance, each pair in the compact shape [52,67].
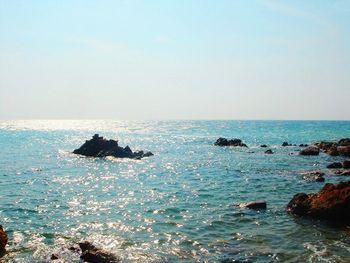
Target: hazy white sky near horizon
[174,59]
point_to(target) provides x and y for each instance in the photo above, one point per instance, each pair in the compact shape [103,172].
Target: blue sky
[180,59]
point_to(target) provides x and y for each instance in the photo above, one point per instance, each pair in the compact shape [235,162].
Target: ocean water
[176,206]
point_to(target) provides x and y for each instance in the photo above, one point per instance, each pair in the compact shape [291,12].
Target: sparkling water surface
[176,206]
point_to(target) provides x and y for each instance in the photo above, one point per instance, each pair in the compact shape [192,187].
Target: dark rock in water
[344,150]
[303,145]
[54,257]
[311,150]
[319,179]
[263,146]
[346,164]
[269,151]
[333,151]
[284,144]
[100,147]
[335,165]
[254,205]
[332,202]
[344,142]
[92,254]
[232,142]
[3,240]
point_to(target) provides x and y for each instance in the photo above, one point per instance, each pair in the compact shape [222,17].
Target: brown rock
[3,240]
[333,151]
[311,150]
[54,257]
[331,202]
[344,150]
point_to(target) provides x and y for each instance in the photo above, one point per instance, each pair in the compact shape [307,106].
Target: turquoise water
[177,206]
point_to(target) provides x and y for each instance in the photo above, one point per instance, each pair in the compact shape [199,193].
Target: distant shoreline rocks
[229,142]
[100,147]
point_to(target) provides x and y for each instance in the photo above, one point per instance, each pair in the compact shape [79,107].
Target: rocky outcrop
[254,205]
[232,142]
[269,151]
[335,165]
[311,150]
[3,240]
[92,254]
[100,147]
[342,147]
[332,202]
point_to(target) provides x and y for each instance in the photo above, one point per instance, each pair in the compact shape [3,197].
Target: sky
[175,59]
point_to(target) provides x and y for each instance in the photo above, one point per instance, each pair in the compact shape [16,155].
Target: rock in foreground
[232,142]
[3,240]
[332,202]
[100,147]
[92,254]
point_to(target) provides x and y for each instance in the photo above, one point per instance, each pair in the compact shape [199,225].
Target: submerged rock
[335,165]
[232,142]
[3,240]
[311,150]
[331,202]
[100,147]
[254,205]
[92,254]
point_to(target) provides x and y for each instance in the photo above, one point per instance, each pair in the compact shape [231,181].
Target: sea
[179,205]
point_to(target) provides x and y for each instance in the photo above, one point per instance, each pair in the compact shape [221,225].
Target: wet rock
[3,240]
[232,142]
[311,150]
[263,146]
[346,164]
[269,151]
[54,257]
[333,151]
[334,165]
[344,173]
[344,150]
[303,145]
[100,147]
[332,202]
[92,254]
[254,205]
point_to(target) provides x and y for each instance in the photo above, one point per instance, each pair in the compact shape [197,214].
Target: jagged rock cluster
[100,147]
